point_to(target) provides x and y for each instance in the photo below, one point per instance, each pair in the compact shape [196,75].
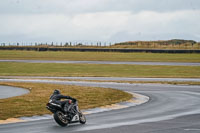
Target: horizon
[97,43]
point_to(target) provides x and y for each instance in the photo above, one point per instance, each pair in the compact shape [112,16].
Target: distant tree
[79,44]
[66,44]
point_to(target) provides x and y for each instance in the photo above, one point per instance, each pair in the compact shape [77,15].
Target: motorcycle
[74,115]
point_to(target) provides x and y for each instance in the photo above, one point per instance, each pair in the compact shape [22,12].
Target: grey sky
[98,20]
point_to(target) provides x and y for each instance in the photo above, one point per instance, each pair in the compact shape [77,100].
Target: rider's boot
[66,108]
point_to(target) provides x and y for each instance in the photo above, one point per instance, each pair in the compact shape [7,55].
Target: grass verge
[34,103]
[100,70]
[98,56]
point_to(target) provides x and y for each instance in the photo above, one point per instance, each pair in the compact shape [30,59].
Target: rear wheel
[82,118]
[60,118]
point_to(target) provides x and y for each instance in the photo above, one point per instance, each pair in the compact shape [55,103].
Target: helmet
[56,92]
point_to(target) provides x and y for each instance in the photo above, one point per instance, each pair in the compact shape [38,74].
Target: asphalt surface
[106,62]
[8,91]
[171,109]
[105,78]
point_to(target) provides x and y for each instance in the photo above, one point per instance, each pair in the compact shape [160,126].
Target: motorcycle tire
[59,118]
[82,118]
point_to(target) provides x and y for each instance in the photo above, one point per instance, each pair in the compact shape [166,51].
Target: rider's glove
[74,100]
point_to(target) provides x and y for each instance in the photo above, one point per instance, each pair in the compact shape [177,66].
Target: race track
[171,109]
[108,62]
[8,91]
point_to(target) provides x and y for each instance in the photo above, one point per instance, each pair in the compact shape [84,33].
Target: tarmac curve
[108,62]
[171,109]
[9,91]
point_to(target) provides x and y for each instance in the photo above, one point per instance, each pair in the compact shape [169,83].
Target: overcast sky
[98,20]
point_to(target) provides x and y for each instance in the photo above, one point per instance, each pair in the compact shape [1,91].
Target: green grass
[98,56]
[51,69]
[34,103]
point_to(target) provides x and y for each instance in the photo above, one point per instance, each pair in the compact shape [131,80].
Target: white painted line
[192,129]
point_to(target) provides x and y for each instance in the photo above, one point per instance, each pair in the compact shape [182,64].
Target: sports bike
[63,118]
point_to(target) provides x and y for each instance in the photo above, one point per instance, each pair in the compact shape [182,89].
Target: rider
[57,96]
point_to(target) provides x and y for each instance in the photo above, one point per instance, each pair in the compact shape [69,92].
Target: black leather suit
[56,98]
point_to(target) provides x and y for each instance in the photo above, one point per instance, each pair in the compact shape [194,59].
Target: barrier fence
[98,49]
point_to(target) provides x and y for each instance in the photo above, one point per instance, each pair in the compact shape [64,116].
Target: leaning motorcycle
[63,118]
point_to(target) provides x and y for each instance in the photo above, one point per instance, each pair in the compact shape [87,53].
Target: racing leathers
[56,98]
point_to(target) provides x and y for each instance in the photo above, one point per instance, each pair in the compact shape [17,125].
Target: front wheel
[60,118]
[82,118]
